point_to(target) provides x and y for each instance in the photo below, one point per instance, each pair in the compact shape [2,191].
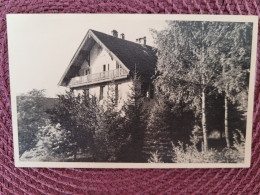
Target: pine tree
[110,136]
[158,134]
[135,114]
[77,116]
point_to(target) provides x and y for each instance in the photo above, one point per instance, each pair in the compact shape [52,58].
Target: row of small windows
[86,70]
[147,91]
[106,67]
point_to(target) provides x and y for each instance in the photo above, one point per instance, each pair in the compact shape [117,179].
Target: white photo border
[101,18]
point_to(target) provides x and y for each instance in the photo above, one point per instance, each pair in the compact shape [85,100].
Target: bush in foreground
[190,153]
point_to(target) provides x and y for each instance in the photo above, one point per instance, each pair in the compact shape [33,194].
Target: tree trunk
[75,153]
[226,122]
[203,120]
[226,106]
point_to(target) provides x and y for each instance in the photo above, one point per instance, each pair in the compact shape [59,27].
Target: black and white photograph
[132,91]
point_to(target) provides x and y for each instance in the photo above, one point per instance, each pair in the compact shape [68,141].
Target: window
[116,92]
[104,67]
[101,92]
[108,67]
[86,93]
[117,66]
[88,57]
[81,72]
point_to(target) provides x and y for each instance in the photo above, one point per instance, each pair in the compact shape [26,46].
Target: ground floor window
[86,93]
[116,92]
[101,95]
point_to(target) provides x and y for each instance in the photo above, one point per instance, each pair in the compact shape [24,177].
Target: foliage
[45,150]
[237,153]
[135,115]
[192,57]
[76,114]
[166,123]
[158,131]
[234,50]
[155,158]
[191,154]
[31,117]
[187,64]
[187,61]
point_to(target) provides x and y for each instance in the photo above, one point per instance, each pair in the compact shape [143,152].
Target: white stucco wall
[100,57]
[123,92]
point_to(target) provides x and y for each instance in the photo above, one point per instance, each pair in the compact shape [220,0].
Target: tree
[110,135]
[167,123]
[158,132]
[31,117]
[48,142]
[77,115]
[235,51]
[135,114]
[188,64]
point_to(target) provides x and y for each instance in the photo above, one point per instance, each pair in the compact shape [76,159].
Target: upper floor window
[104,67]
[117,66]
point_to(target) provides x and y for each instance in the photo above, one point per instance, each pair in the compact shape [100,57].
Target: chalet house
[102,59]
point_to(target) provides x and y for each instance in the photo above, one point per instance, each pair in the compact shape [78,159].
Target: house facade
[103,60]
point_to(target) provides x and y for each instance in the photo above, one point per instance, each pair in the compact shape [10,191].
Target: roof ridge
[121,39]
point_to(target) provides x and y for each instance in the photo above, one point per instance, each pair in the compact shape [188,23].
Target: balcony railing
[97,77]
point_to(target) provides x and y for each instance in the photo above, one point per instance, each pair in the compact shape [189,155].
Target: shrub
[45,149]
[236,154]
[155,158]
[191,154]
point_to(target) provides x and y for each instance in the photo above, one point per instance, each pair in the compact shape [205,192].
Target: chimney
[123,36]
[141,40]
[115,33]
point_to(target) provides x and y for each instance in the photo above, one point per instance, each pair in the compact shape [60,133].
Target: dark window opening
[104,67]
[117,66]
[101,92]
[88,57]
[116,93]
[86,93]
[108,67]
[147,90]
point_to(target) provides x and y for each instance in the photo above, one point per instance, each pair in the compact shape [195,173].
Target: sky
[42,45]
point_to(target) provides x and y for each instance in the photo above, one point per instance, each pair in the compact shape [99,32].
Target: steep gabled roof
[132,55]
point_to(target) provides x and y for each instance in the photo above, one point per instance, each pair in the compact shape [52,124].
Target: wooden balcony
[98,78]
